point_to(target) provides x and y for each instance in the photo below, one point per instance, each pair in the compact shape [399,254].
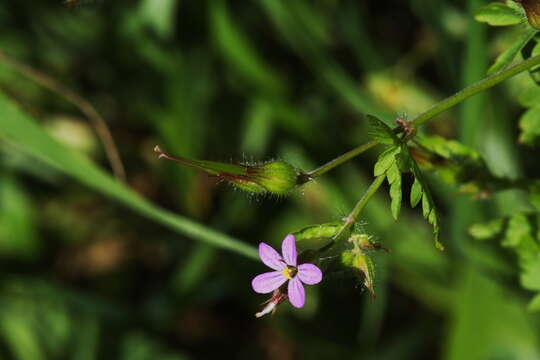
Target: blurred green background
[87,277]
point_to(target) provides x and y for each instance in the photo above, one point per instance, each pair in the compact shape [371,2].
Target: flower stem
[340,160]
[360,205]
[475,89]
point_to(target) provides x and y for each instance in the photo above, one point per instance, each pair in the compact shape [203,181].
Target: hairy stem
[474,89]
[360,205]
[340,160]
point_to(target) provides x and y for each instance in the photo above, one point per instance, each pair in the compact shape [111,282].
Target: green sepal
[318,231]
[361,262]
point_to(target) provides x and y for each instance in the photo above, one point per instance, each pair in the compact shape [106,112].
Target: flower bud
[532,9]
[275,177]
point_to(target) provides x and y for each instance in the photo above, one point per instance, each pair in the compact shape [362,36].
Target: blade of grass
[20,129]
[97,121]
[464,210]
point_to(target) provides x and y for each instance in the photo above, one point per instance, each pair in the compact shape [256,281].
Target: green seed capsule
[275,177]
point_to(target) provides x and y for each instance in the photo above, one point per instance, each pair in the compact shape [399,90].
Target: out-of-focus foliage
[85,276]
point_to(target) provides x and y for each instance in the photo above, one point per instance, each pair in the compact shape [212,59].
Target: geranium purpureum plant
[401,157]
[270,179]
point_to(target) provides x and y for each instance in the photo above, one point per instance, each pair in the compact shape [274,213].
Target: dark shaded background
[83,278]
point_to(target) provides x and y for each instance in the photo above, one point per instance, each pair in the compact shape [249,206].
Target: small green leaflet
[387,164]
[487,230]
[420,189]
[416,193]
[534,304]
[520,234]
[385,160]
[393,175]
[378,130]
[529,123]
[499,14]
[534,195]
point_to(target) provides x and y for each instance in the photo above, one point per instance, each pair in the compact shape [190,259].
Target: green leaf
[534,304]
[534,195]
[507,56]
[18,236]
[487,230]
[518,232]
[393,174]
[499,14]
[378,130]
[530,276]
[448,149]
[529,123]
[239,51]
[428,206]
[527,92]
[416,193]
[160,15]
[19,129]
[394,178]
[385,160]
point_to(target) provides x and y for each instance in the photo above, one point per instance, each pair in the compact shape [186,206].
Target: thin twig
[84,106]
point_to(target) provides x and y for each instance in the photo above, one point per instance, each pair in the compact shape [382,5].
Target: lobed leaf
[534,195]
[428,206]
[394,178]
[530,275]
[416,193]
[378,130]
[385,160]
[529,123]
[534,304]
[487,230]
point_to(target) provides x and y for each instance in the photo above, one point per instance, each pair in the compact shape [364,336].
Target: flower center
[290,271]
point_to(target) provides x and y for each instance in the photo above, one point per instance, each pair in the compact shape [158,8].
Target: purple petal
[271,257]
[309,274]
[288,248]
[297,296]
[268,282]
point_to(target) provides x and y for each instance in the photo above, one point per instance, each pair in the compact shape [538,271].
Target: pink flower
[286,269]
